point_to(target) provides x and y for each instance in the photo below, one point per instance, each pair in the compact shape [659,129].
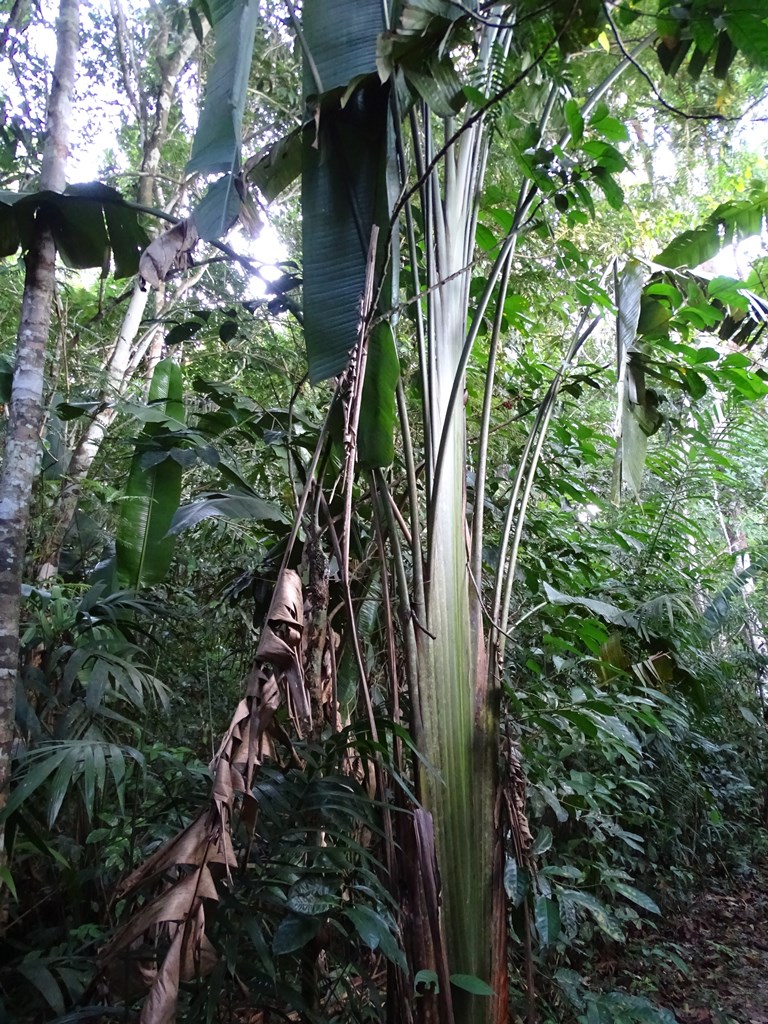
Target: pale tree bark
[121,361]
[26,406]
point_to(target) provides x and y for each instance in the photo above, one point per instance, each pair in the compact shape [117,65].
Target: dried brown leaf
[172,905]
[204,841]
[169,251]
[179,909]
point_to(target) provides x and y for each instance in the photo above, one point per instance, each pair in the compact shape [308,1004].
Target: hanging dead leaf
[176,916]
[170,251]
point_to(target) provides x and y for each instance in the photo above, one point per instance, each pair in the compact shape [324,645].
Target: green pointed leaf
[216,148]
[38,974]
[600,914]
[214,505]
[6,879]
[691,248]
[749,32]
[439,86]
[47,760]
[126,236]
[728,224]
[61,781]
[143,547]
[218,209]
[86,220]
[311,896]
[547,918]
[543,841]
[182,332]
[606,611]
[611,188]
[293,933]
[637,897]
[574,120]
[374,931]
[378,411]
[472,984]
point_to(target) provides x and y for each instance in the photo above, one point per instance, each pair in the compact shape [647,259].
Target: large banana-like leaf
[143,547]
[216,148]
[344,174]
[87,221]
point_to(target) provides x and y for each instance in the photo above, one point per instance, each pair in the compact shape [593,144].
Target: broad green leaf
[310,896]
[69,769]
[729,223]
[227,505]
[470,983]
[142,545]
[602,917]
[716,613]
[378,410]
[637,896]
[691,248]
[341,37]
[749,32]
[611,189]
[126,236]
[39,974]
[293,933]
[374,931]
[275,169]
[547,919]
[439,86]
[574,120]
[543,841]
[182,332]
[216,148]
[693,383]
[606,611]
[750,717]
[609,127]
[428,979]
[343,195]
[218,209]
[511,875]
[86,220]
[730,292]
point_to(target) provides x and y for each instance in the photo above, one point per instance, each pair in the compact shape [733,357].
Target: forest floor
[708,963]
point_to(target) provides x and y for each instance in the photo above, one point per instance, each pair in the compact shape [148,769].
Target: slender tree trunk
[26,407]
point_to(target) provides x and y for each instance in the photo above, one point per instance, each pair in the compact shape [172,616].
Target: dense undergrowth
[632,715]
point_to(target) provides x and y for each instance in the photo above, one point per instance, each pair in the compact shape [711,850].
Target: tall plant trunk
[459,726]
[26,407]
[120,364]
